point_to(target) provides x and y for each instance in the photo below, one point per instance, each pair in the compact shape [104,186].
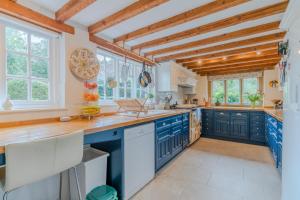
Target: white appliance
[291,136]
[139,160]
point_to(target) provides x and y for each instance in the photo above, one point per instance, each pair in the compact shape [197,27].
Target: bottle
[7,104]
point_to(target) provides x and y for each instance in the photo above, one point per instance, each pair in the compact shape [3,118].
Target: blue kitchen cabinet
[171,137]
[257,127]
[222,123]
[239,128]
[207,122]
[274,139]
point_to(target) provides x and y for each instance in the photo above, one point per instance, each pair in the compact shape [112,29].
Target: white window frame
[137,67]
[54,77]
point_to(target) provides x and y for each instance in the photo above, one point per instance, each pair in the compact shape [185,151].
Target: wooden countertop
[39,131]
[278,114]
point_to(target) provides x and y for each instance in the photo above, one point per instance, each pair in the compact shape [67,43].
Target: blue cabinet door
[163,148]
[185,134]
[257,127]
[176,140]
[222,123]
[239,127]
[279,145]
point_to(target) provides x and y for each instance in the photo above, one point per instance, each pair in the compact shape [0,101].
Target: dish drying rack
[132,105]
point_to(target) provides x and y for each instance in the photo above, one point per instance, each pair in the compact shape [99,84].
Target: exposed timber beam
[19,11]
[237,66]
[219,38]
[234,62]
[124,14]
[271,52]
[252,41]
[119,50]
[270,46]
[71,8]
[231,21]
[181,18]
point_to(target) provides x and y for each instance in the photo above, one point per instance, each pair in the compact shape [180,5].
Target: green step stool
[103,192]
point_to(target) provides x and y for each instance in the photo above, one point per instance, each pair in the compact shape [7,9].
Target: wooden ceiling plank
[267,38]
[247,61]
[181,18]
[219,38]
[71,8]
[269,46]
[238,66]
[124,14]
[273,52]
[26,14]
[231,21]
[119,50]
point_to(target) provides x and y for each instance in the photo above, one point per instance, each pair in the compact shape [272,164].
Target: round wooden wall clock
[84,64]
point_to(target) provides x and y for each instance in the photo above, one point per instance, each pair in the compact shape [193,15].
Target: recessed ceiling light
[258,52]
[199,61]
[224,58]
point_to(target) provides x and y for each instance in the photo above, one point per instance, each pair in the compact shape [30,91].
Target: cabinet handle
[164,123]
[239,114]
[221,113]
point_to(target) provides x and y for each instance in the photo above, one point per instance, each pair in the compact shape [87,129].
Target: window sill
[25,110]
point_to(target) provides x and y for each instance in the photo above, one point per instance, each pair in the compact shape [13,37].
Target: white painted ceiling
[103,8]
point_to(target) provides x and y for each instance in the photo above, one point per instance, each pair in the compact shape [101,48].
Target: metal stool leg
[77,183]
[5,195]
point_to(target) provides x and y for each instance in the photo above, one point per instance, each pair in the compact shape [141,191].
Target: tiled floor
[216,170]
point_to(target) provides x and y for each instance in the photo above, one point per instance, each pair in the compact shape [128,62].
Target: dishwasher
[139,158]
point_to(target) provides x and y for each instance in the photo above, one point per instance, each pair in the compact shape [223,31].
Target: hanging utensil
[143,77]
[125,70]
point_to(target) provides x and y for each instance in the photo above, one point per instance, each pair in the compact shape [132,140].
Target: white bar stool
[32,161]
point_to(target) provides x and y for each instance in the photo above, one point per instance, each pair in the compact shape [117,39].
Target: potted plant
[219,98]
[254,98]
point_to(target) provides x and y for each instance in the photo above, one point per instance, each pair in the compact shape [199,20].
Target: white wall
[202,88]
[291,133]
[269,92]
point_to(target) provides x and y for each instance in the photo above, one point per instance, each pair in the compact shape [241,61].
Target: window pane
[233,91]
[250,86]
[16,40]
[101,88]
[39,46]
[218,91]
[39,90]
[39,67]
[17,89]
[16,64]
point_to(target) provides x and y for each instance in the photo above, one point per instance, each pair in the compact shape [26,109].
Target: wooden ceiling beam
[181,18]
[19,11]
[248,61]
[119,50]
[124,14]
[267,38]
[235,71]
[71,8]
[272,52]
[224,54]
[219,38]
[231,21]
[237,66]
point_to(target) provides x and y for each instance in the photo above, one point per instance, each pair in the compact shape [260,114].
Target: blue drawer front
[163,124]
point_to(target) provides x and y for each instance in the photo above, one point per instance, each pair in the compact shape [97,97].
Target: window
[112,68]
[250,86]
[234,91]
[218,91]
[27,66]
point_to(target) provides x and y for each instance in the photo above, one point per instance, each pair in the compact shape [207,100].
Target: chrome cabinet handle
[239,114]
[164,123]
[221,113]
